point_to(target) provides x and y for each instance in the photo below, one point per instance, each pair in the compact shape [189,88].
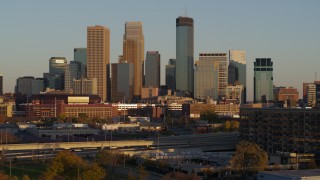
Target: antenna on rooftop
[185,10]
[315,76]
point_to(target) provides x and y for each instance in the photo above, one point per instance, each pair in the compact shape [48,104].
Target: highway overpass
[207,142]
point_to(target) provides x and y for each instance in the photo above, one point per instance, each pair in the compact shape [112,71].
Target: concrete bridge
[208,142]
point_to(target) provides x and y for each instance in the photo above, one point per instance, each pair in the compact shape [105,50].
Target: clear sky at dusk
[288,31]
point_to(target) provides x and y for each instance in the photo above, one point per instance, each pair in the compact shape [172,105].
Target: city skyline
[276,35]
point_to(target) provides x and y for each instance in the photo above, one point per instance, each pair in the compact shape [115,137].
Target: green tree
[210,116]
[249,158]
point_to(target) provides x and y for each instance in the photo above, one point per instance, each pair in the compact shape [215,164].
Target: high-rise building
[152,68]
[263,80]
[1,84]
[304,95]
[55,77]
[29,85]
[184,54]
[98,57]
[85,86]
[74,71]
[80,55]
[237,70]
[122,82]
[171,74]
[311,95]
[133,52]
[57,65]
[210,76]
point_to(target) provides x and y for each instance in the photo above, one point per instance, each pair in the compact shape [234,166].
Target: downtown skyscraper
[263,80]
[133,52]
[237,70]
[184,54]
[152,76]
[98,57]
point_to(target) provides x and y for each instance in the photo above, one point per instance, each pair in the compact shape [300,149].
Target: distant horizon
[285,32]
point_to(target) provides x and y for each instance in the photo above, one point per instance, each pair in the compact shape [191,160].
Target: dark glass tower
[184,54]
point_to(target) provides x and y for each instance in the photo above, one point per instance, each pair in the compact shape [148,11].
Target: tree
[109,158]
[131,175]
[249,157]
[210,116]
[234,125]
[25,177]
[227,125]
[67,165]
[143,174]
[92,172]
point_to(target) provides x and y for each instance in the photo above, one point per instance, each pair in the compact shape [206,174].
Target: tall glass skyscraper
[263,80]
[237,70]
[184,54]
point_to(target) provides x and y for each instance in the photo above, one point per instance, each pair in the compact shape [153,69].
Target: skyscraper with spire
[133,52]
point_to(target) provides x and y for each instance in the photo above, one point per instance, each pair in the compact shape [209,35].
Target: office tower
[263,80]
[73,71]
[1,84]
[152,68]
[311,95]
[237,70]
[57,65]
[85,86]
[317,83]
[304,95]
[184,54]
[29,85]
[210,76]
[133,52]
[55,77]
[122,80]
[80,55]
[171,74]
[98,57]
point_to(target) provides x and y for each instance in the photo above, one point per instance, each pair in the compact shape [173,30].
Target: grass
[32,169]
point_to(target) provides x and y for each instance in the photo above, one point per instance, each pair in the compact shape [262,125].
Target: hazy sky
[288,31]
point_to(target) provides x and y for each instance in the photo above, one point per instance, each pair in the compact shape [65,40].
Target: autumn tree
[249,157]
[143,174]
[234,125]
[67,165]
[109,159]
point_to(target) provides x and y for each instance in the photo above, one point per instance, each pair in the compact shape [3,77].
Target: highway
[205,142]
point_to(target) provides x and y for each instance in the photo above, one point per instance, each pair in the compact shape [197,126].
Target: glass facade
[263,80]
[171,74]
[122,82]
[80,55]
[237,70]
[184,54]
